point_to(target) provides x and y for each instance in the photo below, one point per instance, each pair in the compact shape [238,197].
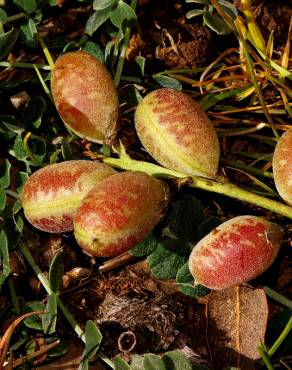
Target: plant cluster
[113,212]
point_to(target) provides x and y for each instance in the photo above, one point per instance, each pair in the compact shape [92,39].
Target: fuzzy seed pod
[177,133]
[235,252]
[85,96]
[52,194]
[119,213]
[282,166]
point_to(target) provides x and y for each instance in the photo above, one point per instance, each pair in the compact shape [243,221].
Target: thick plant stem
[125,162]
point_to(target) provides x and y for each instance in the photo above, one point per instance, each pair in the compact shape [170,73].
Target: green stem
[12,193]
[278,297]
[265,358]
[15,17]
[226,188]
[121,62]
[43,67]
[13,295]
[78,330]
[281,337]
[48,289]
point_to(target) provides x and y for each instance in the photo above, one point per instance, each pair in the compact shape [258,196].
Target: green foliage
[173,360]
[7,41]
[169,82]
[33,113]
[28,6]
[185,215]
[211,20]
[56,271]
[28,32]
[93,338]
[35,321]
[146,247]
[95,50]
[168,257]
[49,320]
[119,12]
[4,258]
[186,283]
[207,226]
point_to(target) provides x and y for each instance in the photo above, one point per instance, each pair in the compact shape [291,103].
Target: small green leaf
[49,320]
[5,174]
[195,13]
[184,217]
[7,41]
[96,20]
[3,199]
[29,6]
[95,50]
[20,181]
[56,271]
[153,362]
[4,258]
[103,4]
[93,338]
[123,15]
[33,112]
[146,247]
[166,81]
[168,257]
[229,8]
[176,360]
[35,321]
[3,16]
[140,61]
[136,363]
[18,148]
[60,350]
[216,24]
[186,283]
[120,364]
[207,226]
[105,150]
[28,32]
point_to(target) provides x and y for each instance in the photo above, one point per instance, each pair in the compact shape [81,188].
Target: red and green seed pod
[177,133]
[52,194]
[282,166]
[119,213]
[85,96]
[235,252]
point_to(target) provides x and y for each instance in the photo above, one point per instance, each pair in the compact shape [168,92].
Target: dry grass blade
[252,26]
[4,343]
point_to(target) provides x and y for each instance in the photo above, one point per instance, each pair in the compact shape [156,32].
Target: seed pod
[282,166]
[177,133]
[235,252]
[85,96]
[119,213]
[52,194]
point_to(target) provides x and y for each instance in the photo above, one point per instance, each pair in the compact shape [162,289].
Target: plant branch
[125,162]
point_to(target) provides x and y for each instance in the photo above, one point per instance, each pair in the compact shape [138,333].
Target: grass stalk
[278,297]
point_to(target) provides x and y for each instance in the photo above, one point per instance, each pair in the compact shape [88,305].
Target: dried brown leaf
[236,324]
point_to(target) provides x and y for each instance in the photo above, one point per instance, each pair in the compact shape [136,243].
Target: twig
[117,262]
